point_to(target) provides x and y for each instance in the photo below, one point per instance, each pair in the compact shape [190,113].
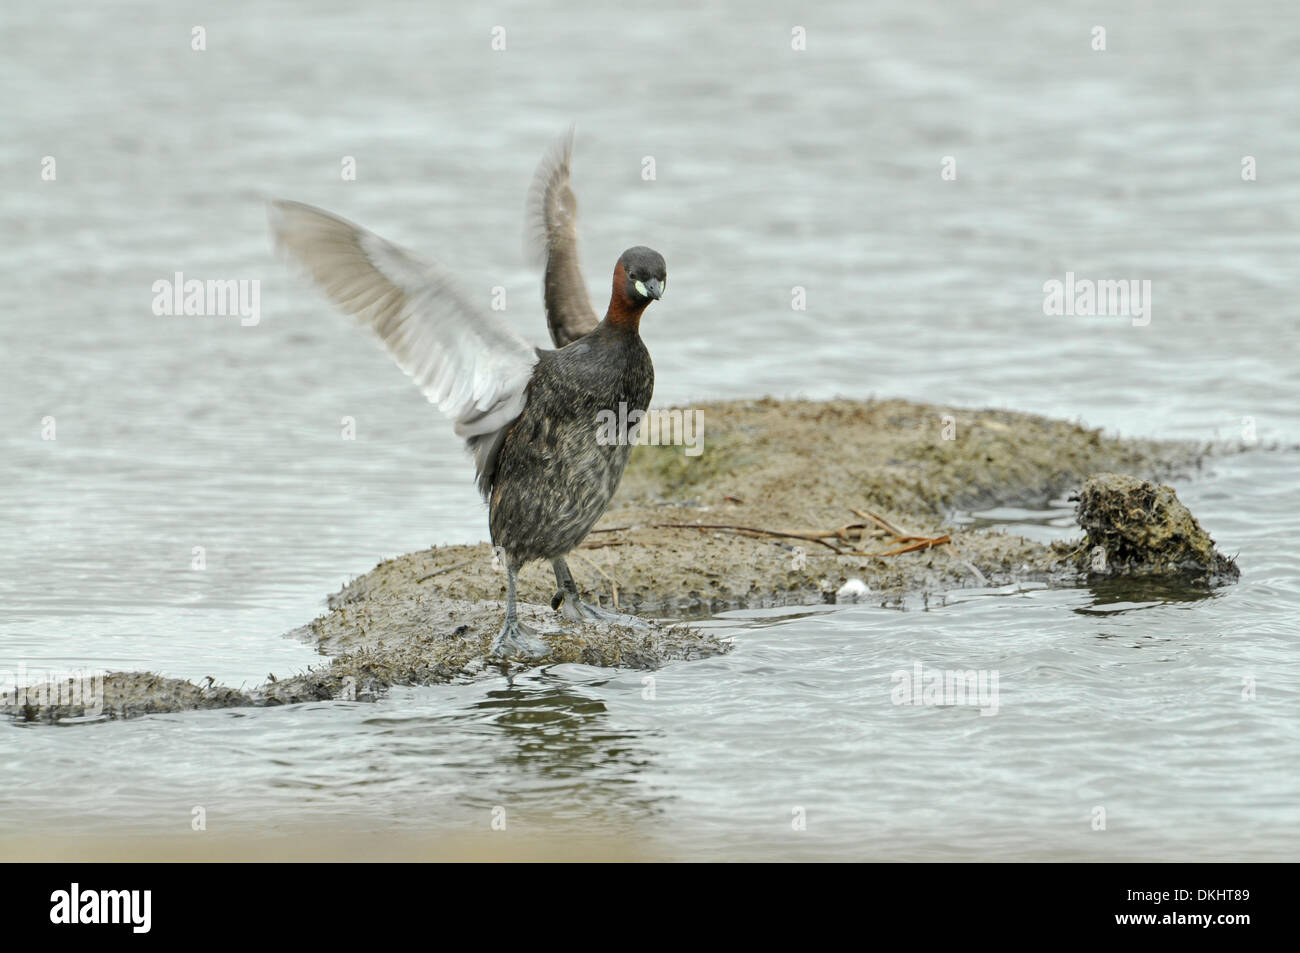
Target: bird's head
[644,275]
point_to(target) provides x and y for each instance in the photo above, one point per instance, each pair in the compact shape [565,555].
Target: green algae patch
[911,459]
[738,527]
[386,643]
[117,695]
[425,639]
[1137,527]
[780,465]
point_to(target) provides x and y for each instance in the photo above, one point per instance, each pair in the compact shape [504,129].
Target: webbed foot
[516,640]
[576,610]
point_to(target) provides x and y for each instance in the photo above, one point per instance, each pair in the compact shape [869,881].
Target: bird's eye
[640,289]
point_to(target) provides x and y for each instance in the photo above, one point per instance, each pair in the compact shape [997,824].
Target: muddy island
[791,502]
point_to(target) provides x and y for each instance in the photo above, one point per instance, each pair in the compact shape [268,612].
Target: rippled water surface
[774,169]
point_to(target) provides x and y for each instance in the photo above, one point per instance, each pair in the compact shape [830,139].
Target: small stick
[879,521]
[446,569]
[924,543]
[810,537]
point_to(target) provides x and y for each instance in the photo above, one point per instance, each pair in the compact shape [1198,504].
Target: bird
[529,416]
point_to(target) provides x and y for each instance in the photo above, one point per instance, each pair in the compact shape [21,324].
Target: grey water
[1171,711]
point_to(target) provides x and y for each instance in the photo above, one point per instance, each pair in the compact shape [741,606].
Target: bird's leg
[515,638]
[572,607]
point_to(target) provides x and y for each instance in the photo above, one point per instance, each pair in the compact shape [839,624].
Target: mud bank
[789,502]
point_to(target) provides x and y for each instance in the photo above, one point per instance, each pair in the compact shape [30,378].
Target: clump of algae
[1137,527]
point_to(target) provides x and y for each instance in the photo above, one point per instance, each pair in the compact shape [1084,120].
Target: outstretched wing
[551,238]
[466,360]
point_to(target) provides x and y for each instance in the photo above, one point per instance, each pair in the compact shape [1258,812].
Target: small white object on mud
[855,590]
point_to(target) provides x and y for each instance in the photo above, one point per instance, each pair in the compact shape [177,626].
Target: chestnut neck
[623,313]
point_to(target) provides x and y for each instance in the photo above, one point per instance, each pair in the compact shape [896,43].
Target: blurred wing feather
[466,360]
[551,239]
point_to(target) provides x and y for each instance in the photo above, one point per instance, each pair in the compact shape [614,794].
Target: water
[774,169]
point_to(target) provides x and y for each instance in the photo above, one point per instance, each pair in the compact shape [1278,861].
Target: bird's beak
[654,288]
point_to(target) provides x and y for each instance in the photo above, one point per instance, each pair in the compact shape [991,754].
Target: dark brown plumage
[531,417]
